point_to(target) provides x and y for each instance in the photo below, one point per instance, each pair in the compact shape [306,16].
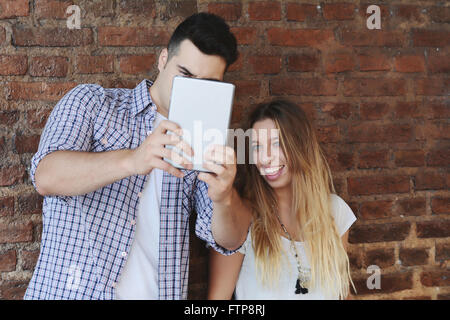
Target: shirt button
[133,222]
[123,254]
[113,284]
[104,141]
[149,132]
[139,194]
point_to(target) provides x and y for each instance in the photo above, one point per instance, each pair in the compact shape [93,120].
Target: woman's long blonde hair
[312,186]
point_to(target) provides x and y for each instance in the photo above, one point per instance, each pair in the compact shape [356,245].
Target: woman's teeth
[273,170]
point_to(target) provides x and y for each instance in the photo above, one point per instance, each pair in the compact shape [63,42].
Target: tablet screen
[203,109]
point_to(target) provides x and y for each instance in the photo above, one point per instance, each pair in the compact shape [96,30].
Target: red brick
[373,38]
[433,229]
[435,278]
[29,259]
[364,87]
[439,14]
[442,252]
[9,117]
[389,283]
[337,110]
[247,88]
[132,36]
[95,64]
[432,87]
[30,204]
[379,232]
[51,9]
[303,87]
[373,110]
[368,132]
[37,118]
[14,8]
[378,62]
[11,175]
[429,181]
[52,91]
[409,158]
[176,8]
[437,129]
[267,10]
[373,159]
[228,11]
[237,65]
[299,37]
[6,206]
[411,207]
[8,260]
[410,13]
[328,134]
[409,63]
[244,35]
[304,62]
[409,110]
[440,205]
[378,185]
[430,38]
[265,64]
[337,161]
[438,158]
[17,232]
[438,63]
[138,7]
[13,65]
[52,37]
[438,109]
[301,12]
[13,290]
[49,66]
[136,64]
[382,258]
[339,62]
[413,256]
[376,209]
[26,144]
[338,11]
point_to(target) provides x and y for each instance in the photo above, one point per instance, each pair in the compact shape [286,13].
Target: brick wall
[379,98]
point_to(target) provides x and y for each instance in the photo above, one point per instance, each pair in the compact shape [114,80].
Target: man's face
[189,61]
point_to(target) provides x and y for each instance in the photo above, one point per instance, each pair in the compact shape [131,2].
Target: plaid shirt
[86,238]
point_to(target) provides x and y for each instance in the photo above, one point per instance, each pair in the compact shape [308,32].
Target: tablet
[202,108]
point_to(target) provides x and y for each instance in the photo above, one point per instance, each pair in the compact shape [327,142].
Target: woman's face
[268,155]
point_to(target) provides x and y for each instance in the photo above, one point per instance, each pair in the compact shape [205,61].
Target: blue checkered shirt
[86,238]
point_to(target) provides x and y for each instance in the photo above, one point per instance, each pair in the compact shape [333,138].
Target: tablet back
[203,109]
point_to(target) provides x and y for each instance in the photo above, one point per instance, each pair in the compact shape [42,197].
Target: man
[115,214]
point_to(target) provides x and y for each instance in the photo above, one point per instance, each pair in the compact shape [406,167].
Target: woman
[296,245]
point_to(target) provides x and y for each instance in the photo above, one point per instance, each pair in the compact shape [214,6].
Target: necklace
[304,274]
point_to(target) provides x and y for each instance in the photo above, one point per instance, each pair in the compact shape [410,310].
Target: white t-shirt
[139,278]
[249,287]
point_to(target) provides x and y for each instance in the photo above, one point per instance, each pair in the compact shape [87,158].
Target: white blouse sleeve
[343,214]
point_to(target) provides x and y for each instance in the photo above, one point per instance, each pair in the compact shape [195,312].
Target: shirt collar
[142,98]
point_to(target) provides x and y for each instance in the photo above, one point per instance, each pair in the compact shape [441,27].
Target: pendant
[299,289]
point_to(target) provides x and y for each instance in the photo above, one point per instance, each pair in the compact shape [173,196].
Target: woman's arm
[223,274]
[345,243]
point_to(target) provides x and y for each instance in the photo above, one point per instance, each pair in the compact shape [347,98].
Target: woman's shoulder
[343,214]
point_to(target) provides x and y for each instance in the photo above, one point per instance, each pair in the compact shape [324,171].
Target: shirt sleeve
[343,214]
[69,127]
[248,242]
[204,207]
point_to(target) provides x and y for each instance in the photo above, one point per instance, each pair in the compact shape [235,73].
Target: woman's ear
[162,60]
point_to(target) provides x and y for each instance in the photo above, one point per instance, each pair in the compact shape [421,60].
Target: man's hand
[151,152]
[221,160]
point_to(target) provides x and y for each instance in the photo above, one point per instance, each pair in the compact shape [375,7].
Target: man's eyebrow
[184,70]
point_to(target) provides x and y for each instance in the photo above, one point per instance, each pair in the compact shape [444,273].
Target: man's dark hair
[209,33]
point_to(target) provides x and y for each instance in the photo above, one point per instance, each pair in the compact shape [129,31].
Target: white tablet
[203,110]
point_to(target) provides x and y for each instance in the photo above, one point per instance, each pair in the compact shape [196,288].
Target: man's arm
[71,173]
[231,217]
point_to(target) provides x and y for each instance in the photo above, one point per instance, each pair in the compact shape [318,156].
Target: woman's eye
[277,144]
[255,148]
